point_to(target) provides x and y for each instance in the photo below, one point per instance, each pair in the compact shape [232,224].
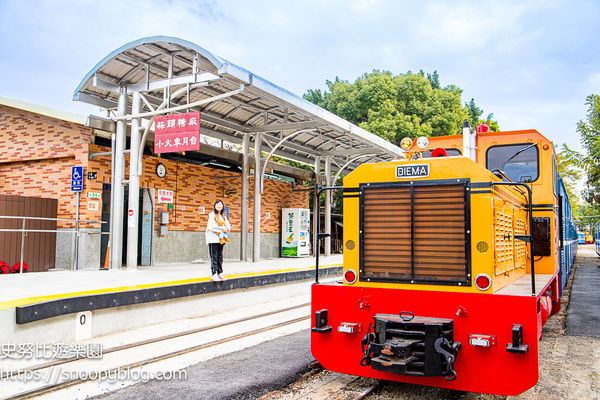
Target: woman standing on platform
[216,235]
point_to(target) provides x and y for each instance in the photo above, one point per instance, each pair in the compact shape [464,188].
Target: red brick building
[38,147]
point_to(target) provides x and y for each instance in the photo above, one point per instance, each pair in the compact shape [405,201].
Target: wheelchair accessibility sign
[76,179]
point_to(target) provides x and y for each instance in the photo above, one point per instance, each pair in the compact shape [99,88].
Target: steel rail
[107,372]
[367,392]
[6,374]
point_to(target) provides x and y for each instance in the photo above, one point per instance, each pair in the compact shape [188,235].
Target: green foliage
[569,172]
[586,216]
[474,112]
[395,106]
[434,80]
[590,161]
[315,96]
[285,161]
[494,127]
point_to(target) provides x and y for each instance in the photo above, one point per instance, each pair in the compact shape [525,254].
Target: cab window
[520,162]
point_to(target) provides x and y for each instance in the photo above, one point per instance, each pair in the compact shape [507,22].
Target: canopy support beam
[116,240]
[328,205]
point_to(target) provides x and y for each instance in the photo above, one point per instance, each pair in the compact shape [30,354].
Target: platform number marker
[83,325]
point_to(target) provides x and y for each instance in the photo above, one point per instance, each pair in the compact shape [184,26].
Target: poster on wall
[164,196]
[177,132]
[294,232]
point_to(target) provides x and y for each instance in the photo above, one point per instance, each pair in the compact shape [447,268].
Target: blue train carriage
[581,238]
[567,234]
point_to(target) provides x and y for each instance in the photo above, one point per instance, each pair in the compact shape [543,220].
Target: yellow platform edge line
[38,299]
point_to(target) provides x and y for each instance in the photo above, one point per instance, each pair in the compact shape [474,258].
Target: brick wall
[29,136]
[36,156]
[197,186]
[37,153]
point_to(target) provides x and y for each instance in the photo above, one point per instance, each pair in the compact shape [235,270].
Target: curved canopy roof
[157,64]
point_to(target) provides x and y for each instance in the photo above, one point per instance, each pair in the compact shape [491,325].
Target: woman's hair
[222,209]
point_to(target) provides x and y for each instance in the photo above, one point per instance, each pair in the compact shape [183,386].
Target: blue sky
[531,63]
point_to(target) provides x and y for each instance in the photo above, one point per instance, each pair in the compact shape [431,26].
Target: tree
[569,173]
[586,216]
[590,161]
[315,96]
[434,80]
[494,126]
[474,112]
[395,106]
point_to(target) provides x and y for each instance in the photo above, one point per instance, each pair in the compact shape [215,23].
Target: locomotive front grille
[415,232]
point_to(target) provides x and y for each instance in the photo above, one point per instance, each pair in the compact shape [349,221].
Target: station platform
[32,304]
[23,289]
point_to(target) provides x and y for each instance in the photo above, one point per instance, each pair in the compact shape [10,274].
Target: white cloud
[531,63]
[594,82]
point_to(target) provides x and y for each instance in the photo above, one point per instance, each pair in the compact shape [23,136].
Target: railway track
[325,385]
[173,345]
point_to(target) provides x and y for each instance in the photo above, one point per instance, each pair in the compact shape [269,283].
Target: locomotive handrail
[501,173]
[320,235]
[526,238]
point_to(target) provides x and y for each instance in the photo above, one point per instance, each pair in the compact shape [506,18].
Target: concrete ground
[583,318]
[247,374]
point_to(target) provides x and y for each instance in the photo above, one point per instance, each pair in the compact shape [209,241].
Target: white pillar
[245,187]
[134,185]
[316,203]
[469,142]
[117,186]
[328,205]
[256,214]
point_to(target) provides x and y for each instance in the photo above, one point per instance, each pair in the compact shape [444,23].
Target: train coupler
[449,352]
[416,346]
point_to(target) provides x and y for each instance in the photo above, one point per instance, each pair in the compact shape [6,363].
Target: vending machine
[295,239]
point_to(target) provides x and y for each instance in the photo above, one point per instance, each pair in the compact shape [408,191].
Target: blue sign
[76,179]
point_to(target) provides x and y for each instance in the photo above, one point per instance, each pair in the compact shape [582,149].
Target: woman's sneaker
[215,278]
[222,277]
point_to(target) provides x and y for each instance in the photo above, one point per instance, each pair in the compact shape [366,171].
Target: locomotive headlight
[350,276]
[483,282]
[406,143]
[422,142]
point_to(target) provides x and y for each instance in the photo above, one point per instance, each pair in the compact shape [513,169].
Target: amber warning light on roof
[177,132]
[412,171]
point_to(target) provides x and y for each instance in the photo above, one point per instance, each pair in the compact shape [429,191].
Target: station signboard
[177,132]
[165,196]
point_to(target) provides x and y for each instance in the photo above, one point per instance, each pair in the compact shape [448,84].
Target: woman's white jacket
[213,229]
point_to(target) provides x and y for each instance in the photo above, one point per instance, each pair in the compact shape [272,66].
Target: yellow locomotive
[452,264]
